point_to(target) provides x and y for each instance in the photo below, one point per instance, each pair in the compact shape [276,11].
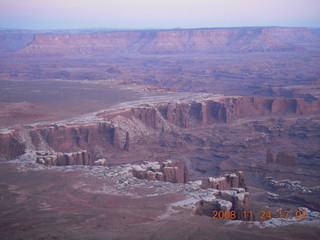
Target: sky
[162,14]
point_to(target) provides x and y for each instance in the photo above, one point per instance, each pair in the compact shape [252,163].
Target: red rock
[151,175]
[100,162]
[169,41]
[73,138]
[170,174]
[64,159]
[159,176]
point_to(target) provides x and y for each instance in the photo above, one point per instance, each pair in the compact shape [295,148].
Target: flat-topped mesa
[241,107]
[204,41]
[215,110]
[168,171]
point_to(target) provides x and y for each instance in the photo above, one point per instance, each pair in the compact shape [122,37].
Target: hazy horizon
[165,14]
[145,29]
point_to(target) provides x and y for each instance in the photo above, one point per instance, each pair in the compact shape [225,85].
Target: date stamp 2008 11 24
[263,215]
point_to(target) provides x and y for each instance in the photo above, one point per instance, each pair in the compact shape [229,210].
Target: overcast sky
[139,14]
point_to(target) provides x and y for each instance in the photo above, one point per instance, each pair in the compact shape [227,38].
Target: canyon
[121,131]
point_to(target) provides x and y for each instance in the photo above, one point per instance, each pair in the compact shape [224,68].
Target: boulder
[222,205]
[100,162]
[150,175]
[159,176]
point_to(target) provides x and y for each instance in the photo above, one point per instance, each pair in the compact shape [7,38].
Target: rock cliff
[10,146]
[169,41]
[116,130]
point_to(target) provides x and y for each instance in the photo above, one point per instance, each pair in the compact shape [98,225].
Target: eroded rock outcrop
[230,194]
[216,110]
[226,192]
[168,171]
[100,162]
[227,182]
[235,199]
[119,130]
[10,146]
[63,159]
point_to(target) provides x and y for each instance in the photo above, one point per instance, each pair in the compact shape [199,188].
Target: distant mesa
[234,40]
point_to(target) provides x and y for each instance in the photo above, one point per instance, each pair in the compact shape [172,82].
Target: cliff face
[123,128]
[75,138]
[223,110]
[10,147]
[12,41]
[170,41]
[260,106]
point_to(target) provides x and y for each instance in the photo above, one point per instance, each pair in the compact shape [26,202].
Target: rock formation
[14,40]
[10,146]
[235,199]
[100,162]
[227,182]
[168,171]
[64,159]
[230,195]
[169,41]
[121,129]
[227,192]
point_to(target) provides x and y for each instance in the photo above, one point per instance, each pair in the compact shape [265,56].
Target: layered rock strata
[121,129]
[170,42]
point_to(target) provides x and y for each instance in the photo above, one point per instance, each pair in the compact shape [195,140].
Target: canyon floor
[254,110]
